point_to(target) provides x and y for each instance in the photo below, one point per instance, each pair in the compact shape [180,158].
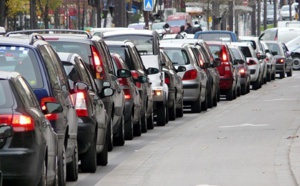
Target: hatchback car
[284,61]
[38,62]
[27,140]
[270,61]
[92,116]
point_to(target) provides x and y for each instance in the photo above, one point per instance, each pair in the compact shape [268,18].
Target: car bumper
[225,83]
[279,68]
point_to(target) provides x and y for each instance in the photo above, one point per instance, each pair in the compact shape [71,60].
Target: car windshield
[22,60]
[6,98]
[176,22]
[214,37]
[84,50]
[144,44]
[178,56]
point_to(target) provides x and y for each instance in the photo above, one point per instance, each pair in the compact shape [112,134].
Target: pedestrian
[167,28]
[196,27]
[180,33]
[189,28]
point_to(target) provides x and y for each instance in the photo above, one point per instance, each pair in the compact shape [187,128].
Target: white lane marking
[245,125]
[206,185]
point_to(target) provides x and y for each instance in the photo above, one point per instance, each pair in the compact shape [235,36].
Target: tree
[44,7]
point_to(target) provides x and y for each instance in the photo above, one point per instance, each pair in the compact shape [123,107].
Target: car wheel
[204,106]
[161,114]
[196,106]
[144,124]
[229,94]
[120,139]
[273,76]
[72,167]
[296,63]
[215,99]
[137,128]
[62,168]
[209,100]
[179,111]
[43,178]
[109,136]
[129,128]
[150,121]
[88,159]
[290,73]
[102,157]
[256,84]
[282,75]
[172,111]
[243,89]
[269,76]
[234,93]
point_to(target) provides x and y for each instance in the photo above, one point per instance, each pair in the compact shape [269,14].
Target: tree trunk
[45,15]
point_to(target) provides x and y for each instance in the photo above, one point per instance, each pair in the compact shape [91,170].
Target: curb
[294,156]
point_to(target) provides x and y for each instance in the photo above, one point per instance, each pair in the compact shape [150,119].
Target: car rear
[22,153]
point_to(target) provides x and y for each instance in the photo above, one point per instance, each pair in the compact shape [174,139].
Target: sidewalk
[295,156]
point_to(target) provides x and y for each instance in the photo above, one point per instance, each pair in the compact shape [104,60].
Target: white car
[285,12]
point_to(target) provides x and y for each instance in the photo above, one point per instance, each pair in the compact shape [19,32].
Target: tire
[72,167]
[43,178]
[137,128]
[234,93]
[120,139]
[172,111]
[273,76]
[290,73]
[88,159]
[282,75]
[296,63]
[269,76]
[150,121]
[229,94]
[215,100]
[210,100]
[179,111]
[243,89]
[129,128]
[102,157]
[204,106]
[196,106]
[256,84]
[161,114]
[109,136]
[62,168]
[144,124]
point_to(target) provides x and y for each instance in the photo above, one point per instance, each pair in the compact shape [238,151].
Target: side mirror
[6,131]
[53,108]
[274,53]
[142,79]
[106,84]
[216,62]
[106,92]
[123,73]
[152,70]
[80,86]
[181,69]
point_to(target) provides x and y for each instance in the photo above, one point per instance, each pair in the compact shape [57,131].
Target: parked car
[194,79]
[133,100]
[216,35]
[243,68]
[285,12]
[284,60]
[227,70]
[92,116]
[24,129]
[252,62]
[38,62]
[131,57]
[270,61]
[174,82]
[147,44]
[96,55]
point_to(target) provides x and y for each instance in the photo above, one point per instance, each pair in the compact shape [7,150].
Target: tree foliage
[16,6]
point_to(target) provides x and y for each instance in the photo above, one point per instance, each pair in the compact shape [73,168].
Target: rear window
[215,51]
[215,37]
[124,54]
[177,56]
[84,50]
[6,98]
[235,53]
[269,35]
[246,51]
[253,44]
[274,48]
[22,60]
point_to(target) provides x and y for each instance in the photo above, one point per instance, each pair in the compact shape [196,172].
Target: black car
[38,62]
[28,143]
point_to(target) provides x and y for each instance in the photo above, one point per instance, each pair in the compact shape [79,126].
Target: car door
[289,59]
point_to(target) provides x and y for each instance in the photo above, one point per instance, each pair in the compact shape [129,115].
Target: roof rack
[35,36]
[89,36]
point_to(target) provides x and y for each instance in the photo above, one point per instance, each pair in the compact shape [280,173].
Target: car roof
[240,43]
[132,32]
[173,44]
[8,75]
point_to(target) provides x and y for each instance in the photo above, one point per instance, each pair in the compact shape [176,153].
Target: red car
[226,69]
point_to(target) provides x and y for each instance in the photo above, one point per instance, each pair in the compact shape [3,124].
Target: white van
[280,34]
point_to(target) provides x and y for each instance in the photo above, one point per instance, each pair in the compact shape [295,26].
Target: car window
[22,60]
[235,53]
[246,51]
[215,37]
[253,44]
[274,48]
[6,95]
[177,55]
[72,74]
[27,94]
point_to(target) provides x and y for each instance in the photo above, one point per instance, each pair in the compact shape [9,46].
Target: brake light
[251,62]
[80,104]
[167,80]
[127,94]
[135,76]
[223,55]
[280,60]
[123,81]
[20,123]
[98,64]
[242,71]
[189,75]
[45,100]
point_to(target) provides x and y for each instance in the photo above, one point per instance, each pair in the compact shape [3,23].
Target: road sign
[148,5]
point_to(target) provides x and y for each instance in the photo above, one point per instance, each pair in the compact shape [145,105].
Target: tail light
[223,55]
[167,80]
[251,62]
[189,75]
[98,64]
[280,60]
[80,104]
[266,59]
[135,75]
[50,117]
[242,71]
[20,123]
[127,94]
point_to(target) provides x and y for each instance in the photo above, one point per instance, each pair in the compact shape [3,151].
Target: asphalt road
[244,142]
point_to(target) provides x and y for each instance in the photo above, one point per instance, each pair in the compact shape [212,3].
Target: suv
[22,125]
[131,57]
[92,116]
[228,72]
[38,62]
[147,44]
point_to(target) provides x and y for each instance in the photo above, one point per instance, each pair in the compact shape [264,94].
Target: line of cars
[74,96]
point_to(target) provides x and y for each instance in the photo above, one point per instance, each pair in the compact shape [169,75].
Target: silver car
[194,79]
